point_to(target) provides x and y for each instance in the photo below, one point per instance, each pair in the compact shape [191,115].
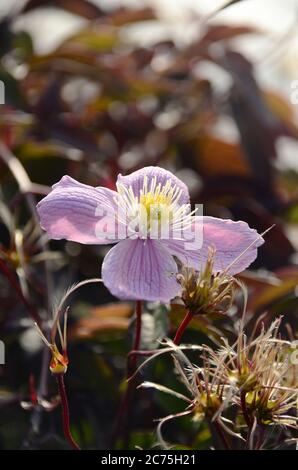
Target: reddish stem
[131,367]
[261,439]
[137,340]
[222,435]
[14,283]
[246,416]
[65,412]
[186,320]
[244,409]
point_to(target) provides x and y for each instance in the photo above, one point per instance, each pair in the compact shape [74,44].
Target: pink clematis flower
[142,265]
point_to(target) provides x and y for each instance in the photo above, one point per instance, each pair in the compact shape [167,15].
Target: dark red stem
[246,416]
[261,439]
[244,409]
[131,367]
[14,283]
[65,412]
[186,320]
[137,341]
[222,436]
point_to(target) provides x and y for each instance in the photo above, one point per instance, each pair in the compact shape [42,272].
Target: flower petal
[190,258]
[136,180]
[231,241]
[79,212]
[140,270]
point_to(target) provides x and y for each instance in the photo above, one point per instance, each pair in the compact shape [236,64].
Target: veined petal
[140,270]
[79,213]
[136,181]
[190,258]
[236,244]
[230,239]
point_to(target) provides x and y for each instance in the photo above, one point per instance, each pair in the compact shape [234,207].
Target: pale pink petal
[140,270]
[236,244]
[136,181]
[189,258]
[231,241]
[79,213]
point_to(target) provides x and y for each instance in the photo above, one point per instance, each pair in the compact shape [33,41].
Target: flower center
[155,212]
[154,204]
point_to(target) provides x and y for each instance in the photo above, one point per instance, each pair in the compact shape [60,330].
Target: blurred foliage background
[104,101]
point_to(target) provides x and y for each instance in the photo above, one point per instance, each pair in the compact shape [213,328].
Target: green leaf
[155,326]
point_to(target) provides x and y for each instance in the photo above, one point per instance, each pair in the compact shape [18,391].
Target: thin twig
[65,412]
